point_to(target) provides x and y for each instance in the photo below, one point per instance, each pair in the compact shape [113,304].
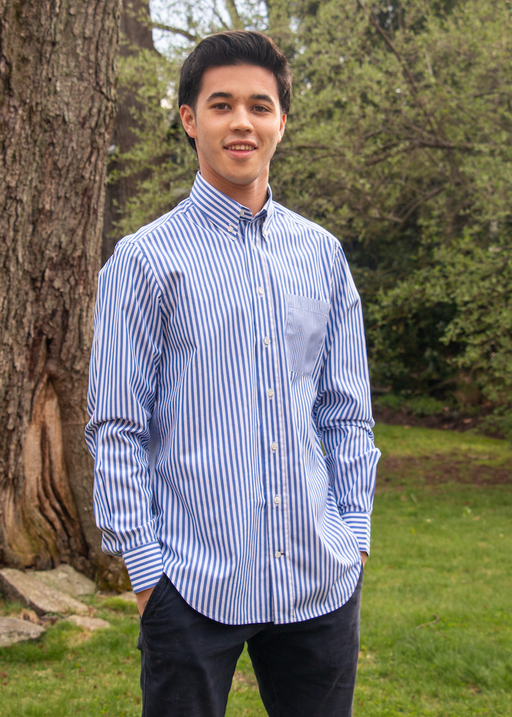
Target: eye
[261,108]
[221,106]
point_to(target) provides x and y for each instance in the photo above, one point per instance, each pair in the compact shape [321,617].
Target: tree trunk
[57,75]
[135,34]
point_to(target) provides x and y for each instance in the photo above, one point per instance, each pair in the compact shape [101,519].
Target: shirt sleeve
[123,378]
[343,411]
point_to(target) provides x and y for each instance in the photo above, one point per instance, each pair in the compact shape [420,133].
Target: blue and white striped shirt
[227,349]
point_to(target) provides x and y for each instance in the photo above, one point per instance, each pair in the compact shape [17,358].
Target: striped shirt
[228,349]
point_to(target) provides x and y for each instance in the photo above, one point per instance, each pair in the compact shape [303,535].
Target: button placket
[269,377]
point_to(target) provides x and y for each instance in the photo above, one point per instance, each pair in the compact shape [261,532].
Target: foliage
[402,126]
[417,405]
[162,148]
[399,142]
[476,282]
[433,552]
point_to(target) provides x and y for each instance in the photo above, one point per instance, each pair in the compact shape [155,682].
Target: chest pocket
[306,321]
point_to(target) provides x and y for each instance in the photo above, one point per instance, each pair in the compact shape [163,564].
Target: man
[228,350]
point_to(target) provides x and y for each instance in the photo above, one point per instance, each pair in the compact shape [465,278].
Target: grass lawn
[441,554]
[437,608]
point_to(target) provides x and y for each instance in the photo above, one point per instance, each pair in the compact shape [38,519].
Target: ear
[188,120]
[282,125]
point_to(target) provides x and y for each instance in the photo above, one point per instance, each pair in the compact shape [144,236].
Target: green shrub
[390,400]
[424,406]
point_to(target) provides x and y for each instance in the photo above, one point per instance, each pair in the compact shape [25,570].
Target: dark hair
[234,47]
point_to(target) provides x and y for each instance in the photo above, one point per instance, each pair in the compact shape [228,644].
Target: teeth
[240,146]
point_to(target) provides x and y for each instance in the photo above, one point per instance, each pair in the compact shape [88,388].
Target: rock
[128,597]
[13,630]
[88,623]
[67,580]
[25,588]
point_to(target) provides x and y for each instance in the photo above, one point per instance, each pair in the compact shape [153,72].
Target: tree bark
[57,79]
[135,34]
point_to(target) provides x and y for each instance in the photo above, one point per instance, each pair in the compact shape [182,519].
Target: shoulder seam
[144,258]
[148,229]
[299,219]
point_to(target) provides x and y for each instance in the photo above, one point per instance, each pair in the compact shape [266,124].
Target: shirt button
[270,392]
[266,341]
[260,290]
[265,232]
[230,228]
[242,213]
[277,499]
[274,446]
[277,554]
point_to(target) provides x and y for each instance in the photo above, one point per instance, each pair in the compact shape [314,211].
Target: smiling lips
[240,147]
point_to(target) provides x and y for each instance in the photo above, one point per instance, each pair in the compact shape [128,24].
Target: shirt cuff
[145,566]
[359,524]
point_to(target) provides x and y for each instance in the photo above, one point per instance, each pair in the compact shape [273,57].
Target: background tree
[136,36]
[57,72]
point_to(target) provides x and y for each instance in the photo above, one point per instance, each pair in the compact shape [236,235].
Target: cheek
[210,135]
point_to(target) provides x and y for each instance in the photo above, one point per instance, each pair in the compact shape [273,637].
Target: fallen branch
[426,624]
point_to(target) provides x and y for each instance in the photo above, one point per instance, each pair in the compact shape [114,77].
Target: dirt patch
[451,468]
[243,681]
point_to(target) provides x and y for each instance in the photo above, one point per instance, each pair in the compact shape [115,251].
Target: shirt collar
[225,213]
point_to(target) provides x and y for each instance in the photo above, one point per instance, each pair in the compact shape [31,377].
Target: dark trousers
[304,669]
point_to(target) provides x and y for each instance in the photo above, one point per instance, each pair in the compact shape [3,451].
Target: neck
[253,195]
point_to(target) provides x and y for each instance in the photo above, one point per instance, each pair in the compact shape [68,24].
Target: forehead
[239,81]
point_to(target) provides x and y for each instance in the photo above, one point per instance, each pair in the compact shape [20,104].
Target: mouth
[240,149]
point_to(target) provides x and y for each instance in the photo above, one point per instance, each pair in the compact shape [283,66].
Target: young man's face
[237,124]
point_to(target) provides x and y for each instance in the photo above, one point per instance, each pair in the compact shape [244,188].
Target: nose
[241,120]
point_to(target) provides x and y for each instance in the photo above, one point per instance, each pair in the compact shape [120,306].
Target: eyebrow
[228,95]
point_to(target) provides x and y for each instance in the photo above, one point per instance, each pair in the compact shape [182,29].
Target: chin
[241,180]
